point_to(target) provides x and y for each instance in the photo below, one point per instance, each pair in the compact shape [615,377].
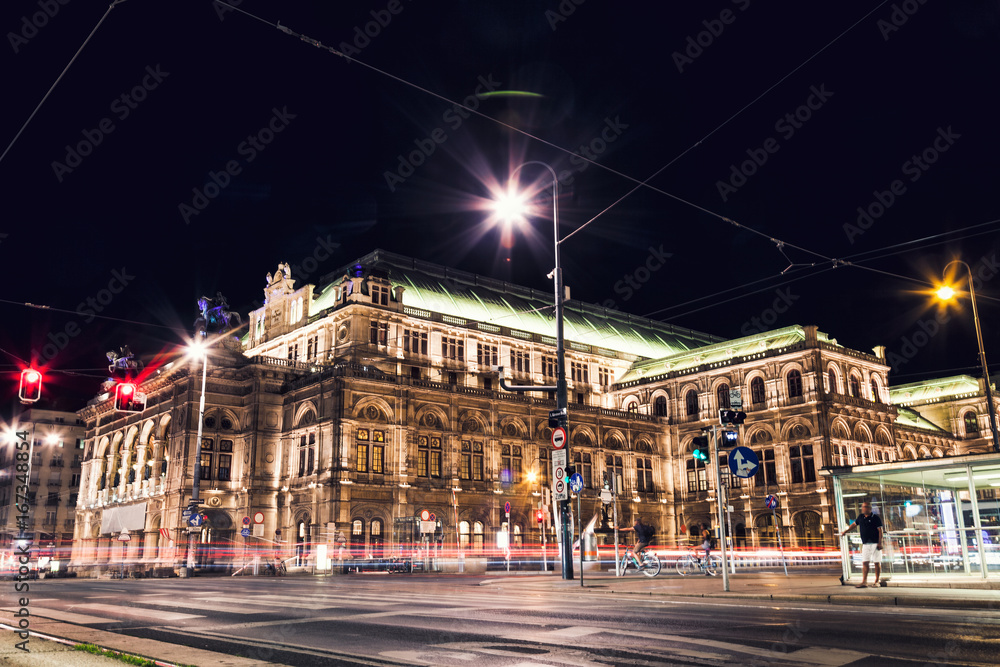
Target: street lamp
[945,293]
[513,207]
[197,348]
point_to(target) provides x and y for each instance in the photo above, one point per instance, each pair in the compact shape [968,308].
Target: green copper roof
[724,351]
[476,298]
[934,390]
[908,417]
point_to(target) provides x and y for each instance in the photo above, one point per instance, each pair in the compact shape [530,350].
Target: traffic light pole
[196,482]
[722,507]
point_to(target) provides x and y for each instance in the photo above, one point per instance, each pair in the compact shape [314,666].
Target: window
[312,347]
[794,384]
[644,475]
[415,342]
[465,465]
[697,476]
[757,391]
[378,459]
[307,453]
[855,386]
[613,464]
[435,457]
[206,467]
[730,480]
[876,396]
[510,464]
[520,361]
[293,351]
[362,461]
[604,377]
[549,366]
[207,444]
[579,371]
[767,474]
[225,467]
[722,396]
[803,470]
[74,481]
[584,466]
[632,406]
[423,455]
[971,423]
[378,334]
[660,406]
[831,379]
[477,462]
[380,295]
[691,403]
[487,356]
[453,348]
[79,443]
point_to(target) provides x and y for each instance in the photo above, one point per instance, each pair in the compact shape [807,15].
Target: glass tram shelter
[941,516]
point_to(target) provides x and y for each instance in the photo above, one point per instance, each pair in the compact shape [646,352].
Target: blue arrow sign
[195,520]
[743,462]
[575,483]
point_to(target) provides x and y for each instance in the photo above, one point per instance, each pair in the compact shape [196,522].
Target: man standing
[870,526]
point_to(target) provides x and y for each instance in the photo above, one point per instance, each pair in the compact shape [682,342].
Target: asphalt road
[454,620]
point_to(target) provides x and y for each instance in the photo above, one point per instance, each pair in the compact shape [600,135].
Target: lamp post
[198,347]
[945,293]
[511,207]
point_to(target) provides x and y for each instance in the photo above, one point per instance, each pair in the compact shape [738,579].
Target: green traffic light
[700,455]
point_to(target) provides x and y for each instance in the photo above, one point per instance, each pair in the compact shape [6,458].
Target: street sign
[743,462]
[195,520]
[258,517]
[506,507]
[558,438]
[735,399]
[771,502]
[428,526]
[425,515]
[245,532]
[558,473]
[185,513]
[606,497]
[246,522]
[575,483]
[559,489]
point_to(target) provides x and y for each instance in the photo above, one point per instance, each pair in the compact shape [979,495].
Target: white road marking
[287,602]
[829,657]
[68,616]
[138,612]
[203,606]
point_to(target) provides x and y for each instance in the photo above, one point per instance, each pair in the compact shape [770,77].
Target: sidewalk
[815,588]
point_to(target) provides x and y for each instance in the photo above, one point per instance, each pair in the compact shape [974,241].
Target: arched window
[971,423]
[757,396]
[876,395]
[463,534]
[831,378]
[632,406]
[660,406]
[691,403]
[794,384]
[722,396]
[358,538]
[807,530]
[477,536]
[767,530]
[855,386]
[376,538]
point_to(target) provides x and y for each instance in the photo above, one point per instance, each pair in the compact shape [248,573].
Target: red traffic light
[128,399]
[539,516]
[30,388]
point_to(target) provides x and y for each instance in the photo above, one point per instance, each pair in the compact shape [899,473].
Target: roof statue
[281,278]
[215,315]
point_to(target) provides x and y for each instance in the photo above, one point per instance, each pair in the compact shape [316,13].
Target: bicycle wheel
[713,566]
[685,566]
[650,565]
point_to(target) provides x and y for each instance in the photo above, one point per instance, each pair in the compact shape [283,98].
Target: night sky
[191,148]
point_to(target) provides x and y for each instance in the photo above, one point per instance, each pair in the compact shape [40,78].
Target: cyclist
[706,540]
[643,535]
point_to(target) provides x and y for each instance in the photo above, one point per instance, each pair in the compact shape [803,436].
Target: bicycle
[648,563]
[691,564]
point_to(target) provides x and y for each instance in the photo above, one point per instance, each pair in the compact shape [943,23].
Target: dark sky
[786,121]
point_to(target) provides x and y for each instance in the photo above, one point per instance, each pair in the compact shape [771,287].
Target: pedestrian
[870,527]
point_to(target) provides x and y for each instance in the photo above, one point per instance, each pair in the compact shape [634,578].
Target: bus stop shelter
[941,516]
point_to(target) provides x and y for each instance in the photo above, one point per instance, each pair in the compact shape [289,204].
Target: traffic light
[30,389]
[700,452]
[539,516]
[732,417]
[128,398]
[729,439]
[570,471]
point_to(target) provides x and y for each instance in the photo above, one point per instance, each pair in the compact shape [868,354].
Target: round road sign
[506,507]
[425,515]
[558,437]
[560,486]
[258,517]
[576,483]
[771,502]
[246,521]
